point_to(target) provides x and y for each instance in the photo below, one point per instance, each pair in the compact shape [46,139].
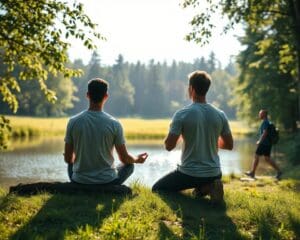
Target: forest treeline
[151,90]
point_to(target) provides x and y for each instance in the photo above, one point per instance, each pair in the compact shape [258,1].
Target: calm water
[42,160]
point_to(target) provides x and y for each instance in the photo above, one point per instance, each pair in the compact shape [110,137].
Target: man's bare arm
[225,141]
[263,136]
[69,154]
[126,158]
[171,141]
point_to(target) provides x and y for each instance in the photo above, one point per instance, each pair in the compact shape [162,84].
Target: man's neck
[97,107]
[199,99]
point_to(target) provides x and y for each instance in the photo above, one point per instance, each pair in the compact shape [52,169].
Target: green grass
[134,128]
[263,209]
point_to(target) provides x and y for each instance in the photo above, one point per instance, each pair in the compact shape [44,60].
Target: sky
[150,29]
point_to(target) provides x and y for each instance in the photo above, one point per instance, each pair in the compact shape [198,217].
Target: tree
[80,83]
[261,83]
[155,94]
[33,36]
[94,66]
[92,70]
[137,76]
[220,92]
[121,89]
[272,19]
[212,63]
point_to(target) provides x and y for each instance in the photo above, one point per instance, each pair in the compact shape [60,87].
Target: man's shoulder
[265,123]
[77,116]
[110,118]
[183,111]
[216,109]
[218,112]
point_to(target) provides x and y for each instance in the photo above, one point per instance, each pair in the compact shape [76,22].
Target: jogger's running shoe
[250,174]
[278,175]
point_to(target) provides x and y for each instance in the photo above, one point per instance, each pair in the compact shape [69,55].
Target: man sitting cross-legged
[90,138]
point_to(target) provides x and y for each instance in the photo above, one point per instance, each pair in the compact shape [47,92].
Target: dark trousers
[123,170]
[176,181]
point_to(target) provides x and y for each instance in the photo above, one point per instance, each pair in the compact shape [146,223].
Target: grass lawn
[134,128]
[263,209]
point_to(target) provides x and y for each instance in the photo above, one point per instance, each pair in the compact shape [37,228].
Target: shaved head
[263,113]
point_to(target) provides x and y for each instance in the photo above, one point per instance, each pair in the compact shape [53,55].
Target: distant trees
[136,89]
[154,89]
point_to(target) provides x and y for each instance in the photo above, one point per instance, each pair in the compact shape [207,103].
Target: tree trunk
[295,10]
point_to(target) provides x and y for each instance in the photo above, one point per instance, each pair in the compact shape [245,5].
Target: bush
[293,147]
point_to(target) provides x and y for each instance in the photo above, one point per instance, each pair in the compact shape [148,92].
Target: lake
[42,160]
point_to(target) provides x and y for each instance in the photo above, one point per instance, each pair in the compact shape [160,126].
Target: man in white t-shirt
[203,128]
[90,139]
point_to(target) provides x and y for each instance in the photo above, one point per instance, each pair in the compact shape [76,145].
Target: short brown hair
[97,88]
[200,81]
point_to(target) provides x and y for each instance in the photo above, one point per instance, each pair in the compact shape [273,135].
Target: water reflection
[42,160]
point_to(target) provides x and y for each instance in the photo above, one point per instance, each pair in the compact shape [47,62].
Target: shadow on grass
[295,225]
[63,214]
[200,219]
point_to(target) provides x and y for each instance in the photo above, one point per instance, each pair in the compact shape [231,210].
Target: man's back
[93,135]
[201,125]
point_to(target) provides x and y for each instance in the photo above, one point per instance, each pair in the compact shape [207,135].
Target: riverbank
[262,209]
[134,128]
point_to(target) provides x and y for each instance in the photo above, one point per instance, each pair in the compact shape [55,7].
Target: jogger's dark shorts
[264,150]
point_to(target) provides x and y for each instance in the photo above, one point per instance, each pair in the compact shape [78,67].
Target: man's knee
[129,168]
[155,187]
[159,186]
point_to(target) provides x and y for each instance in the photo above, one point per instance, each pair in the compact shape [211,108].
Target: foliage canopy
[270,64]
[34,40]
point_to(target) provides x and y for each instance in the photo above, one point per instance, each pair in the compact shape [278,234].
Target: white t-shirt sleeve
[176,124]
[119,136]
[68,136]
[226,128]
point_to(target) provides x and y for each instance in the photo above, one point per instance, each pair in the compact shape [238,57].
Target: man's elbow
[125,159]
[68,159]
[229,146]
[169,147]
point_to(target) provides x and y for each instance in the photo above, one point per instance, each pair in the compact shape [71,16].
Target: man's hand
[126,158]
[258,142]
[225,142]
[69,154]
[141,158]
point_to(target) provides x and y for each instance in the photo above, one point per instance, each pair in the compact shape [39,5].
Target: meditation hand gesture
[141,158]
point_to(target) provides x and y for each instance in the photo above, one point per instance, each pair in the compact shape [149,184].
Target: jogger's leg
[255,164]
[272,163]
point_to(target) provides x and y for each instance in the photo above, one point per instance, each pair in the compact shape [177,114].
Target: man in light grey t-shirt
[203,129]
[90,139]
